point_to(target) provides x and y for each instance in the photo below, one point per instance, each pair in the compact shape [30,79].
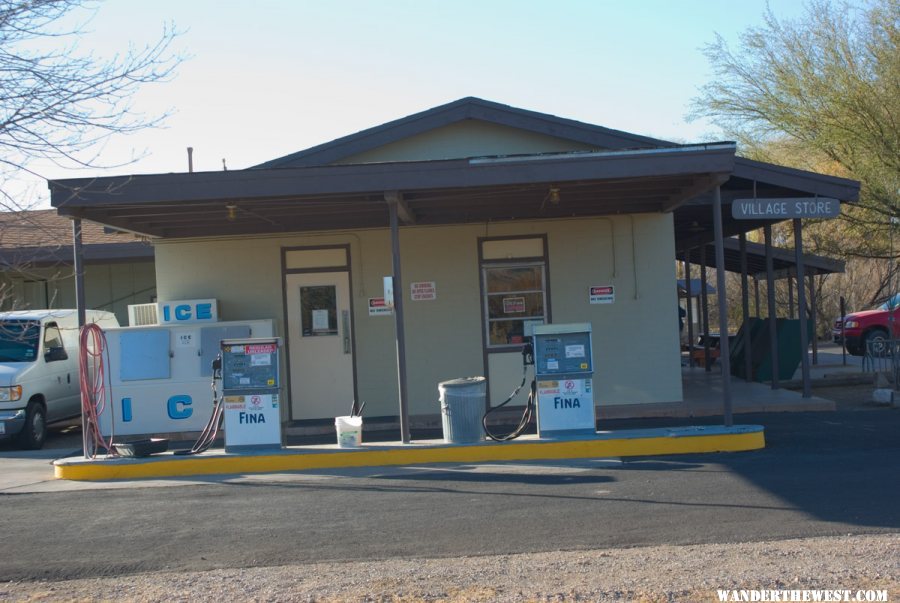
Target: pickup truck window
[19,340]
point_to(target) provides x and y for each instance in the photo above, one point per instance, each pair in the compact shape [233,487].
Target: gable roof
[457,111]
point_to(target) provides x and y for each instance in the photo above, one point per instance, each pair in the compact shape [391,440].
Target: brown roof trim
[376,178]
[98,253]
[813,183]
[457,111]
[784,260]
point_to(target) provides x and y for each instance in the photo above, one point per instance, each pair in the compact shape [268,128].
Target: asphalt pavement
[821,474]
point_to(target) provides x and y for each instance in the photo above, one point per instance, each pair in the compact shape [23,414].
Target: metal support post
[814,311]
[790,283]
[392,201]
[721,297]
[801,307]
[704,309]
[690,306]
[756,304]
[745,307]
[79,271]
[78,253]
[773,311]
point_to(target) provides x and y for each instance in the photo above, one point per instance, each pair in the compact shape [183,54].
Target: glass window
[318,311]
[515,296]
[19,340]
[52,337]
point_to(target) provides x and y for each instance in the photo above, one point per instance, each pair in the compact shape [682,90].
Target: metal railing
[883,356]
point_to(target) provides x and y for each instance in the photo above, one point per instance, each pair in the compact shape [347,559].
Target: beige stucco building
[503,219]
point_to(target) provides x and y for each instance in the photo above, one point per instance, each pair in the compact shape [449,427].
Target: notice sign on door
[423,291]
[602,294]
[378,307]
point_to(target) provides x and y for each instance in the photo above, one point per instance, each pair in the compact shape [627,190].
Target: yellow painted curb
[112,469]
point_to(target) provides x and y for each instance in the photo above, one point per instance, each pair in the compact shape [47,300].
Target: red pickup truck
[861,328]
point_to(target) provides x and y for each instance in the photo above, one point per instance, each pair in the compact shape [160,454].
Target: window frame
[510,262]
[487,295]
[45,342]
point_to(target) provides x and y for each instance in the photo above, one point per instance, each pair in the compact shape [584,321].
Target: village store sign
[784,209]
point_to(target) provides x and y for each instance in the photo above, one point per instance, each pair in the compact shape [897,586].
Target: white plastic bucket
[349,431]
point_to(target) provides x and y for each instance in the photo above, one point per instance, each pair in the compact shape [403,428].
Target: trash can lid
[462,382]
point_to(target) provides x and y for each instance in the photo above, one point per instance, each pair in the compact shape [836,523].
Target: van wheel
[35,431]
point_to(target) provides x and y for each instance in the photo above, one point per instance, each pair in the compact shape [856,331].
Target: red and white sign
[379,307]
[602,294]
[266,348]
[513,305]
[423,291]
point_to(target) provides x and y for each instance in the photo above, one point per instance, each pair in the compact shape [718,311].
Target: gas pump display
[564,371]
[250,394]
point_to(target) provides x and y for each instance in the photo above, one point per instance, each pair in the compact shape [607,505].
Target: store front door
[320,340]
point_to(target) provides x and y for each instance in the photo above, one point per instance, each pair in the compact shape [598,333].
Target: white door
[320,344]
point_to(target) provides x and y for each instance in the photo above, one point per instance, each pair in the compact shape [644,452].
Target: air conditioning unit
[143,314]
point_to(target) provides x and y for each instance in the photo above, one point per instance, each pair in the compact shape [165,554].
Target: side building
[36,268]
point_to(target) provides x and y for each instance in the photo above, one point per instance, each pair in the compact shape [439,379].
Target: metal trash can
[462,407]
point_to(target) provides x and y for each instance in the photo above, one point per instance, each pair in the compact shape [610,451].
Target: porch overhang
[340,197]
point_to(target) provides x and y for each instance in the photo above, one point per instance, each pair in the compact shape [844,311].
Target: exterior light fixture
[232,212]
[553,195]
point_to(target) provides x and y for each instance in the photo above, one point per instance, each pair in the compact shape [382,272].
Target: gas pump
[564,371]
[250,394]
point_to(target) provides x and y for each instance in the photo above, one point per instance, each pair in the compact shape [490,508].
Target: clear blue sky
[268,78]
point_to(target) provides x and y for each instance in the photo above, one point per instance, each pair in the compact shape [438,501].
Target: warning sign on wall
[423,291]
[378,307]
[602,294]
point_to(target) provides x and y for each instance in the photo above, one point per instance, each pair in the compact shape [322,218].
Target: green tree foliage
[820,93]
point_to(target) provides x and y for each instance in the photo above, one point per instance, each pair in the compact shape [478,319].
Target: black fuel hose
[526,415]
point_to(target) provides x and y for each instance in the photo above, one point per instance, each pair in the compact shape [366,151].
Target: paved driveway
[821,474]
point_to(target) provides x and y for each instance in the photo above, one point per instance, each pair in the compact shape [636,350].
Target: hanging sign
[603,294]
[787,208]
[378,307]
[423,291]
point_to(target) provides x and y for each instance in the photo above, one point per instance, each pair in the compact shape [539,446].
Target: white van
[39,370]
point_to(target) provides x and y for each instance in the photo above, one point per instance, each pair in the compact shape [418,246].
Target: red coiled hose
[92,363]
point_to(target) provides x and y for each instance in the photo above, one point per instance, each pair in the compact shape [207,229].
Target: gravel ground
[663,573]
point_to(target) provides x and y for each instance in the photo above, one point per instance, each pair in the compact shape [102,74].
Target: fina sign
[784,209]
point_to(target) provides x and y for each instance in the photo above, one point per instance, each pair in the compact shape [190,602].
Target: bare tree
[58,101]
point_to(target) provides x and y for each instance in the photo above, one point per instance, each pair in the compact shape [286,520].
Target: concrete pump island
[245,401]
[357,287]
